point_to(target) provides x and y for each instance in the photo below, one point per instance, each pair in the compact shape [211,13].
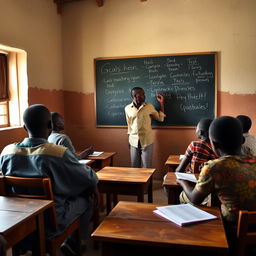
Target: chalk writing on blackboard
[188,82]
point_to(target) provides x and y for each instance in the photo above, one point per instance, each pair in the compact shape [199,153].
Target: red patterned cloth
[200,152]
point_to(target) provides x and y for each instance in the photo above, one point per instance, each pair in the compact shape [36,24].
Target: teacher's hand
[160,98]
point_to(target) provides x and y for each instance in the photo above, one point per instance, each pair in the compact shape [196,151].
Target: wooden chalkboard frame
[160,55]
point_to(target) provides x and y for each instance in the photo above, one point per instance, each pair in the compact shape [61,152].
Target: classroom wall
[122,28]
[61,50]
[35,26]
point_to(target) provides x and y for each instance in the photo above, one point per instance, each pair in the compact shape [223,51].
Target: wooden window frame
[16,100]
[4,97]
[7,124]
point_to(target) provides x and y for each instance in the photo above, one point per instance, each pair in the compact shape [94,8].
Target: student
[232,176]
[73,183]
[249,146]
[198,152]
[138,116]
[61,139]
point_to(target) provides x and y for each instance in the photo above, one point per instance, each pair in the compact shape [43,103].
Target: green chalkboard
[188,82]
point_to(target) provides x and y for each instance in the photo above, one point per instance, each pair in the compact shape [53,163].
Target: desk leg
[171,168]
[168,168]
[115,199]
[177,195]
[111,161]
[150,191]
[141,194]
[102,205]
[108,202]
[110,198]
[41,235]
[173,195]
[170,196]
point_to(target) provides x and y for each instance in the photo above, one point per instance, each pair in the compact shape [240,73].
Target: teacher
[138,117]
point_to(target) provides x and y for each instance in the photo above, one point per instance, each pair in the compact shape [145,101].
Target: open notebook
[183,214]
[96,153]
[186,176]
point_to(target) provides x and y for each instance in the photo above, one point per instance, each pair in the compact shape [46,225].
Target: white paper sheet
[182,156]
[183,214]
[186,176]
[84,161]
[96,153]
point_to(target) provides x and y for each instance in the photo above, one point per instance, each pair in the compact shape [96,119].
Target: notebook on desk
[96,153]
[183,214]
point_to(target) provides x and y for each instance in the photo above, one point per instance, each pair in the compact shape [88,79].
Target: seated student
[249,146]
[232,176]
[199,151]
[73,183]
[61,139]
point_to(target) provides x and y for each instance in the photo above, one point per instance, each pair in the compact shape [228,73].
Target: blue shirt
[62,140]
[35,157]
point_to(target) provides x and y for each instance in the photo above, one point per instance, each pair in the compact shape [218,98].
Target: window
[4,114]
[4,99]
[13,86]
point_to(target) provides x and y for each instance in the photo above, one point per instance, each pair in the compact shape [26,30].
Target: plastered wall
[35,26]
[132,27]
[61,50]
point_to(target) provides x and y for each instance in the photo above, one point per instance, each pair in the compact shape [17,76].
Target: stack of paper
[186,176]
[84,161]
[96,153]
[183,214]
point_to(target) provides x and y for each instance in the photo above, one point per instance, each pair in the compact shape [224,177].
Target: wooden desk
[174,189]
[22,216]
[132,228]
[172,162]
[125,181]
[105,159]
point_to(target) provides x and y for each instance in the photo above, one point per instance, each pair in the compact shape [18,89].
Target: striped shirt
[200,152]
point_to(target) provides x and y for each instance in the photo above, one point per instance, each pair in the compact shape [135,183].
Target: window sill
[10,128]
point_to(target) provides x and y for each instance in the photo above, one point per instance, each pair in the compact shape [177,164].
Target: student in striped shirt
[199,151]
